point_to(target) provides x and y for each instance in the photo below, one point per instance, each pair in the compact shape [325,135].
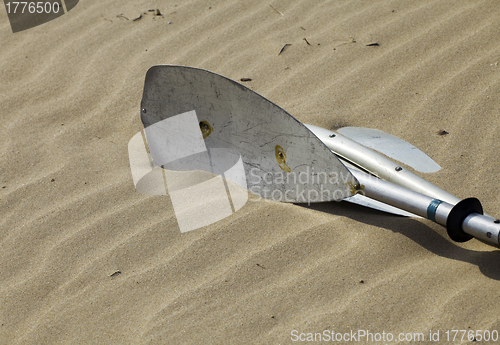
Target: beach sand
[70,93]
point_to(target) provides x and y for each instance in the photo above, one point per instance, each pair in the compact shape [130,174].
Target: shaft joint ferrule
[432,208]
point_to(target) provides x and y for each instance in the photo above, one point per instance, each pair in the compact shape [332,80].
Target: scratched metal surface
[281,157]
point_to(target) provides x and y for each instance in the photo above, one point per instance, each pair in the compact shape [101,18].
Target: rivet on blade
[356,188]
[206,129]
[281,158]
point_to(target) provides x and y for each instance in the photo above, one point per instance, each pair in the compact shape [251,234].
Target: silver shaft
[379,164]
[474,224]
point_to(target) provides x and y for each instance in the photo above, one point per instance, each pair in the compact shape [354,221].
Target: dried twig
[276,9]
[283,49]
[107,19]
[156,12]
[115,274]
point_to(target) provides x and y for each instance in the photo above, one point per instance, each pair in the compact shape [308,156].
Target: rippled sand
[71,219]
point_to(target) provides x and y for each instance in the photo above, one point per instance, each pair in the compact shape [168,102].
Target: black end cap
[457,216]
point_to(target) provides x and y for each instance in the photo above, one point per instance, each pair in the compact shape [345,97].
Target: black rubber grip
[457,216]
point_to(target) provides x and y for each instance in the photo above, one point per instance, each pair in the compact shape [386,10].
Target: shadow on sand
[433,239]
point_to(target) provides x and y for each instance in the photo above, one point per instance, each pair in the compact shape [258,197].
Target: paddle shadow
[434,240]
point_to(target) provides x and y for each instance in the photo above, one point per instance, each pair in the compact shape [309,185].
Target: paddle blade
[198,120]
[392,147]
[379,206]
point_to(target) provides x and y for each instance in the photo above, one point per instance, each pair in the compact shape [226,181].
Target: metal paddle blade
[392,147]
[379,206]
[198,120]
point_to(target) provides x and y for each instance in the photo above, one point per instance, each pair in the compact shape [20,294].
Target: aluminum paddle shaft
[462,221]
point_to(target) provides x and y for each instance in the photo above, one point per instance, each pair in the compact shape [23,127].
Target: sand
[70,93]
